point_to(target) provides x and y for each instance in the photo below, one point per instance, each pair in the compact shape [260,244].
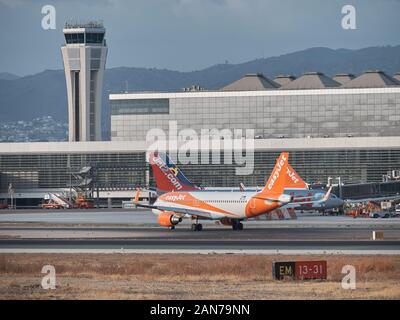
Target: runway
[146,218]
[200,246]
[215,240]
[214,233]
[138,232]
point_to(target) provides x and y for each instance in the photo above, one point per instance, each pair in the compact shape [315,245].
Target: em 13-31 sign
[300,270]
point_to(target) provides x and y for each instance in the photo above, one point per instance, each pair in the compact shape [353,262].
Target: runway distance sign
[299,270]
[310,270]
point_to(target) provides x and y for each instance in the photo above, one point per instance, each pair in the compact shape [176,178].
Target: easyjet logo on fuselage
[174,198]
[167,172]
[277,171]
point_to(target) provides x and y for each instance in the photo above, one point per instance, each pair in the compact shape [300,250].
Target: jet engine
[168,219]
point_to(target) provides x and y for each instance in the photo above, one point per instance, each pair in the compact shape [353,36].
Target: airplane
[230,208]
[168,177]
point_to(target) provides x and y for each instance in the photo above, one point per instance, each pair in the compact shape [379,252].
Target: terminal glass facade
[122,171]
[39,171]
[140,107]
[345,113]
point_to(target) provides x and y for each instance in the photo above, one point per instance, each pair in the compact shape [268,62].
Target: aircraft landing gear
[237,225]
[197,227]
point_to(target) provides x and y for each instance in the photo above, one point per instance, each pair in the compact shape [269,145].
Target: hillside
[44,94]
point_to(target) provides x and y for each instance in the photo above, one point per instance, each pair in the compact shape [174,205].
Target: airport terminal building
[346,126]
[306,111]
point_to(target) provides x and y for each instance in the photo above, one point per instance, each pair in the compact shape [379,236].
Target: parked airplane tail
[167,175]
[277,181]
[294,180]
[271,196]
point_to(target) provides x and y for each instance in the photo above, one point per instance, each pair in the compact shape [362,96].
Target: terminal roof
[372,79]
[342,78]
[251,82]
[283,79]
[311,80]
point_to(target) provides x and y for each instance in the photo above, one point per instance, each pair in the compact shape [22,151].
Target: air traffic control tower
[84,56]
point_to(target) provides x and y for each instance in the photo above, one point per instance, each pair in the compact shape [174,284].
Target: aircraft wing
[182,211]
[142,205]
[320,200]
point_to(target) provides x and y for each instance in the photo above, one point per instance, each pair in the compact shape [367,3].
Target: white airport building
[348,129]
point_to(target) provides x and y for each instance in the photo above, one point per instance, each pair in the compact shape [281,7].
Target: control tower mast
[84,55]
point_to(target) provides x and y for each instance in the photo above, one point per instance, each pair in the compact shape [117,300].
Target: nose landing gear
[237,225]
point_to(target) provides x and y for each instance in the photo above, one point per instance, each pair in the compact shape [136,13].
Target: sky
[187,35]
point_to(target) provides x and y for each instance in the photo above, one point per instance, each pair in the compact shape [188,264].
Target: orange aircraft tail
[294,181]
[271,196]
[277,180]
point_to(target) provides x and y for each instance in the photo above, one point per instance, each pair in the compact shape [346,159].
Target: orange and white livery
[228,207]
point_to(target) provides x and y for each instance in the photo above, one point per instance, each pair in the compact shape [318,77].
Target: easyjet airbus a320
[229,207]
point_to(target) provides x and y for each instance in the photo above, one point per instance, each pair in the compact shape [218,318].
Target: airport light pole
[70,177]
[340,186]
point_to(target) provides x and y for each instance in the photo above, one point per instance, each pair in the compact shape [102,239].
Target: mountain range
[44,93]
[7,76]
